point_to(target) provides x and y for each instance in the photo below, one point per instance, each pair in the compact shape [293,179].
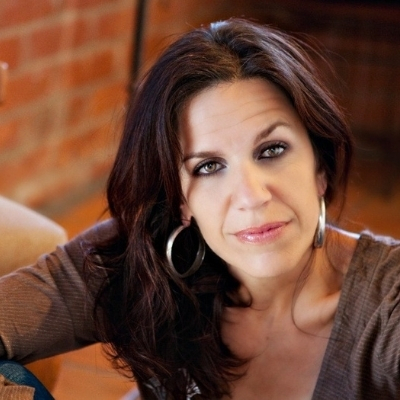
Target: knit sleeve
[47,308]
[388,344]
[380,340]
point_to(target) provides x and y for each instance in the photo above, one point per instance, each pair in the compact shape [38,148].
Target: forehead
[241,105]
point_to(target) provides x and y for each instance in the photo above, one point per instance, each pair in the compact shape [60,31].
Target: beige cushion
[25,235]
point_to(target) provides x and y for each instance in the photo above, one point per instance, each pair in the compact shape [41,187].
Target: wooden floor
[373,203]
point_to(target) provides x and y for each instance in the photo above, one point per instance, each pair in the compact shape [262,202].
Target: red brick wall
[68,68]
[69,72]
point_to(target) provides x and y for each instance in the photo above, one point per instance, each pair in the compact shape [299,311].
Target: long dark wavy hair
[159,328]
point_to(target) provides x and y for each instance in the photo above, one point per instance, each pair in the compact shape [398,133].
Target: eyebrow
[266,132]
[200,154]
[262,135]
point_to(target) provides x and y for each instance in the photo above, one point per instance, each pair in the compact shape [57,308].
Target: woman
[215,277]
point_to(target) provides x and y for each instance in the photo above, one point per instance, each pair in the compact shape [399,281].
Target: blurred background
[73,63]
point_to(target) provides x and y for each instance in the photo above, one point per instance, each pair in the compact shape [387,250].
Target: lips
[261,234]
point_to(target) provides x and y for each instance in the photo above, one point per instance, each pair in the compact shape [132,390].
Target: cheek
[202,194]
[203,208]
[299,178]
[206,207]
[299,187]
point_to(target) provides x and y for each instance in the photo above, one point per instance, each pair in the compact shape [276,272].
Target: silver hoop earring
[201,251]
[320,232]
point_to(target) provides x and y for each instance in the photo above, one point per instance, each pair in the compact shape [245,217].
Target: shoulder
[378,261]
[367,328]
[378,258]
[371,288]
[100,232]
[71,257]
[373,277]
[376,278]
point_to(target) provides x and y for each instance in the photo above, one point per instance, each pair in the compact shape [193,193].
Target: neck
[310,292]
[307,294]
[276,292]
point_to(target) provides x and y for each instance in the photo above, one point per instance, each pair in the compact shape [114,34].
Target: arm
[46,308]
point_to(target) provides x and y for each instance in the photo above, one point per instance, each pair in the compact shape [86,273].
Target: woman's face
[249,177]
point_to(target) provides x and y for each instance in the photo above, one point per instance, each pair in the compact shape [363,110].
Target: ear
[186,215]
[321,183]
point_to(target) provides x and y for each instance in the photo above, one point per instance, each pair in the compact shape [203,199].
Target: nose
[250,188]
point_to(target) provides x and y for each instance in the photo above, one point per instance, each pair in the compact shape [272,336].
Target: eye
[208,168]
[273,150]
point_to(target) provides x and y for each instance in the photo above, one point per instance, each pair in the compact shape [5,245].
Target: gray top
[46,310]
[362,360]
